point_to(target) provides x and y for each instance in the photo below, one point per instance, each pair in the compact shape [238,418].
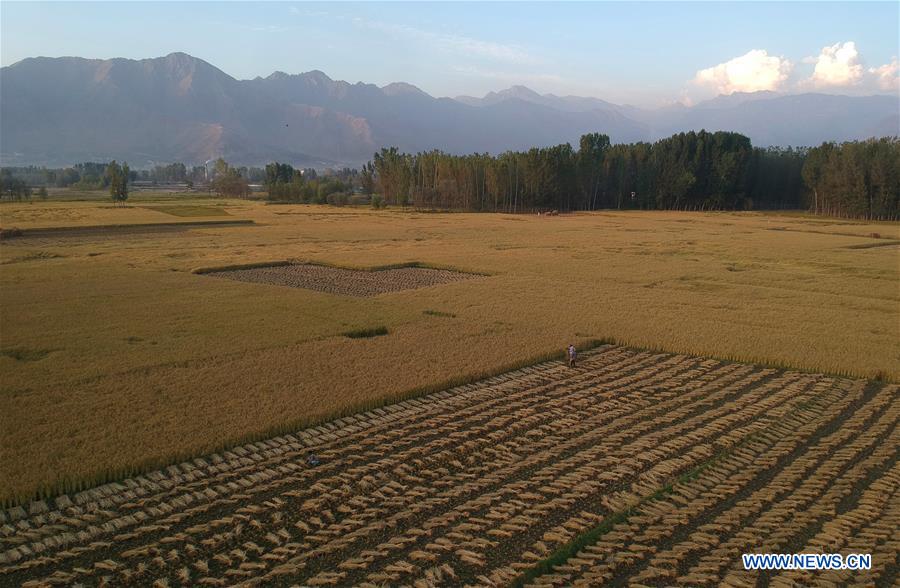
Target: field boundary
[359,268]
[242,266]
[888,243]
[13,232]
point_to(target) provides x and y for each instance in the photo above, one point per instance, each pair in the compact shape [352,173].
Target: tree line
[688,171]
[14,188]
[111,175]
[855,180]
[284,183]
[92,175]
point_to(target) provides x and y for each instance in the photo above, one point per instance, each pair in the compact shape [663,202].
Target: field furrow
[688,462]
[759,497]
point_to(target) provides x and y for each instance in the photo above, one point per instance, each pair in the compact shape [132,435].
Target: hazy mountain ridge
[797,119]
[565,103]
[179,108]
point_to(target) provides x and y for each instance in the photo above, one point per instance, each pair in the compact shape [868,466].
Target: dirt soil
[345,281]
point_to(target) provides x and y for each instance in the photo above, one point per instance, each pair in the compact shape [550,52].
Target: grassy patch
[188,210]
[439,313]
[366,333]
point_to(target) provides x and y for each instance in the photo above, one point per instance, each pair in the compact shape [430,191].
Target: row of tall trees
[113,176]
[688,171]
[695,171]
[92,175]
[777,182]
[859,179]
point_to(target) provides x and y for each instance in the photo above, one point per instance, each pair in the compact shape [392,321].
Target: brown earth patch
[348,282]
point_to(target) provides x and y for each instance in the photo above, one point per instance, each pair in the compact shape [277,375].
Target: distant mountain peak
[520,89]
[178,60]
[317,76]
[181,55]
[522,92]
[401,88]
[519,93]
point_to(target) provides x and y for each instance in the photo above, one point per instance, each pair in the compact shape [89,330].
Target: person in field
[572,354]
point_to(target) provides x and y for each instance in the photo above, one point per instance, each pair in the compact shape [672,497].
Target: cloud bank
[837,67]
[887,77]
[754,71]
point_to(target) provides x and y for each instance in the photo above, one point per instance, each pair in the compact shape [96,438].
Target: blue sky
[641,53]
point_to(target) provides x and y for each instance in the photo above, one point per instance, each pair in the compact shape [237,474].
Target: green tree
[12,187]
[117,176]
[231,184]
[591,152]
[220,168]
[367,178]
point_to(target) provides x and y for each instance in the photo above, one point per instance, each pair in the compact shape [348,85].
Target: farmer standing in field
[572,355]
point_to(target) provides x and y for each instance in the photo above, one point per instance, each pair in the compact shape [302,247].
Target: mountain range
[58,111]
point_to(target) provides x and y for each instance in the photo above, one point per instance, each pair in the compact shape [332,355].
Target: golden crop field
[117,357]
[632,468]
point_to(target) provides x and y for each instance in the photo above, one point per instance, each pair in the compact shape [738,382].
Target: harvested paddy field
[348,282]
[116,358]
[635,467]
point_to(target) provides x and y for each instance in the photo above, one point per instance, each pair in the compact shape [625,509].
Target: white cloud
[838,65]
[841,66]
[754,71]
[455,44]
[887,77]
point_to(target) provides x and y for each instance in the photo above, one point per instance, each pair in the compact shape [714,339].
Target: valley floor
[117,358]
